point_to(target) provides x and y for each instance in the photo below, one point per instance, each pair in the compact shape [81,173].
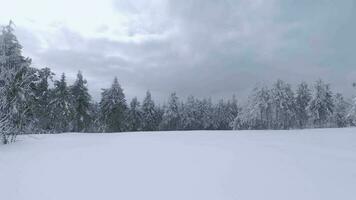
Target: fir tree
[81,104]
[42,98]
[134,116]
[17,78]
[113,107]
[62,109]
[172,114]
[149,114]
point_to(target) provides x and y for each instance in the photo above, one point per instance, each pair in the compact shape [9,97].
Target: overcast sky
[204,48]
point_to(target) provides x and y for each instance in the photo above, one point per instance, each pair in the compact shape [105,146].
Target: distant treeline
[29,105]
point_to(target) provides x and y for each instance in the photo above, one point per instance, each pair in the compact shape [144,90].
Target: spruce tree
[62,108]
[172,114]
[16,77]
[134,117]
[113,108]
[81,104]
[149,114]
[42,98]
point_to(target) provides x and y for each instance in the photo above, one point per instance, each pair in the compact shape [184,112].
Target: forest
[32,101]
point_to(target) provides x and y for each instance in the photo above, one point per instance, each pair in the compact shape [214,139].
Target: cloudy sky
[206,48]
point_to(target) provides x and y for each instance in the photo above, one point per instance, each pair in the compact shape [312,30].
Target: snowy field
[199,165]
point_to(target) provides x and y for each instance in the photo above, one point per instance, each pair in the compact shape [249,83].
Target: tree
[351,116]
[340,111]
[42,98]
[17,78]
[62,108]
[302,99]
[321,106]
[113,108]
[81,103]
[134,117]
[149,114]
[172,114]
[283,105]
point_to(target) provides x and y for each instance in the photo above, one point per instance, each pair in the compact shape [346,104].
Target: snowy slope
[200,165]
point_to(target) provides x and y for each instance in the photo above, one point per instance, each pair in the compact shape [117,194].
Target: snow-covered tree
[351,116]
[16,78]
[321,106]
[192,116]
[61,105]
[149,114]
[341,110]
[42,97]
[81,104]
[302,99]
[134,116]
[283,105]
[113,108]
[172,114]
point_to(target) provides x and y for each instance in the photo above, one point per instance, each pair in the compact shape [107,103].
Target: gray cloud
[211,48]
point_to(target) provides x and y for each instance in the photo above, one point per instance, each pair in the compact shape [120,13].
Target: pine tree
[113,107]
[303,97]
[172,114]
[149,114]
[17,77]
[321,106]
[62,108]
[81,103]
[134,116]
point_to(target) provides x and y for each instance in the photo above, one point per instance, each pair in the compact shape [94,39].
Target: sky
[205,48]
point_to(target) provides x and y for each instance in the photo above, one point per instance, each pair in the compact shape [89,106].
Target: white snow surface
[190,165]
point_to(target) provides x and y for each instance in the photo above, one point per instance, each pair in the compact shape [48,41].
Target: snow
[197,165]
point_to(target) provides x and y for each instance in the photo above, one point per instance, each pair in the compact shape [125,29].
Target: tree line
[280,107]
[30,104]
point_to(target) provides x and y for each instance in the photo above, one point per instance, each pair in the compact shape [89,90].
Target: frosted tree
[257,113]
[134,117]
[192,116]
[283,105]
[61,105]
[16,78]
[222,115]
[172,114]
[42,97]
[206,111]
[302,99]
[81,104]
[149,114]
[341,110]
[351,116]
[113,107]
[321,106]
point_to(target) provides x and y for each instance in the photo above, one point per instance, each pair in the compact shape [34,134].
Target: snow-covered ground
[199,165]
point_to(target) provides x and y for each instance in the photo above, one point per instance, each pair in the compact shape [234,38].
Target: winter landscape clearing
[276,165]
